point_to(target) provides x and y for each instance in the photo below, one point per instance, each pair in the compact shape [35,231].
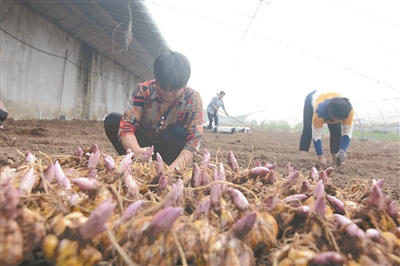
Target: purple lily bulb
[349,226]
[60,176]
[131,211]
[291,179]
[159,163]
[232,162]
[11,202]
[314,173]
[132,189]
[175,196]
[328,258]
[110,165]
[303,210]
[97,220]
[27,181]
[203,207]
[271,202]
[93,160]
[109,162]
[84,183]
[164,219]
[79,152]
[6,181]
[289,169]
[205,180]
[259,171]
[390,208]
[162,182]
[373,233]
[221,172]
[376,197]
[271,176]
[29,158]
[92,174]
[148,154]
[244,225]
[238,198]
[196,178]
[206,159]
[215,196]
[271,166]
[50,173]
[295,197]
[379,182]
[323,176]
[70,171]
[94,148]
[337,204]
[329,171]
[320,206]
[125,163]
[73,198]
[257,163]
[319,189]
[180,189]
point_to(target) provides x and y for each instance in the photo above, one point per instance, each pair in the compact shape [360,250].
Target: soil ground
[366,159]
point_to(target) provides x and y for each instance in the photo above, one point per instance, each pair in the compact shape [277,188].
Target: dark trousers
[169,144]
[210,119]
[335,130]
[3,116]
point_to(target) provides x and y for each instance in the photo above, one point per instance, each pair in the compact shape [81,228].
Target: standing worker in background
[163,112]
[3,114]
[212,109]
[334,110]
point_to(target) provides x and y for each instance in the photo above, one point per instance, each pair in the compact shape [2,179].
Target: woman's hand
[340,157]
[130,142]
[138,153]
[181,161]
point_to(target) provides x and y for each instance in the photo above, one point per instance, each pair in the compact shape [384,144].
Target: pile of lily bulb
[92,209]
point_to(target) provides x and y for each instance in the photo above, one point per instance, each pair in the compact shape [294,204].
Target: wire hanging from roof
[128,33]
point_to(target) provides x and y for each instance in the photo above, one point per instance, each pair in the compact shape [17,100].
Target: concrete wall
[43,69]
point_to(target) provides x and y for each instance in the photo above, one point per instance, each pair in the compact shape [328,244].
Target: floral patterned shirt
[145,110]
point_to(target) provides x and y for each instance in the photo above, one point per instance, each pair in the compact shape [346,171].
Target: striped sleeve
[133,114]
[347,131]
[194,124]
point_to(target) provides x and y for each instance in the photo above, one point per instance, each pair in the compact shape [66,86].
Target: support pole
[62,84]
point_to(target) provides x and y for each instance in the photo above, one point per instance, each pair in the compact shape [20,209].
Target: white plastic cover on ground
[275,117]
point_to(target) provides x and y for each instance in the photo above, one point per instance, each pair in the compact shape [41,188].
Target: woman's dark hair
[172,70]
[221,92]
[339,107]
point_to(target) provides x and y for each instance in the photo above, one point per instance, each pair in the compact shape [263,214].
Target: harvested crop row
[90,208]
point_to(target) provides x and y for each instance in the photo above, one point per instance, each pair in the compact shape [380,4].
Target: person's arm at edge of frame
[127,129]
[195,130]
[2,107]
[346,138]
[317,125]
